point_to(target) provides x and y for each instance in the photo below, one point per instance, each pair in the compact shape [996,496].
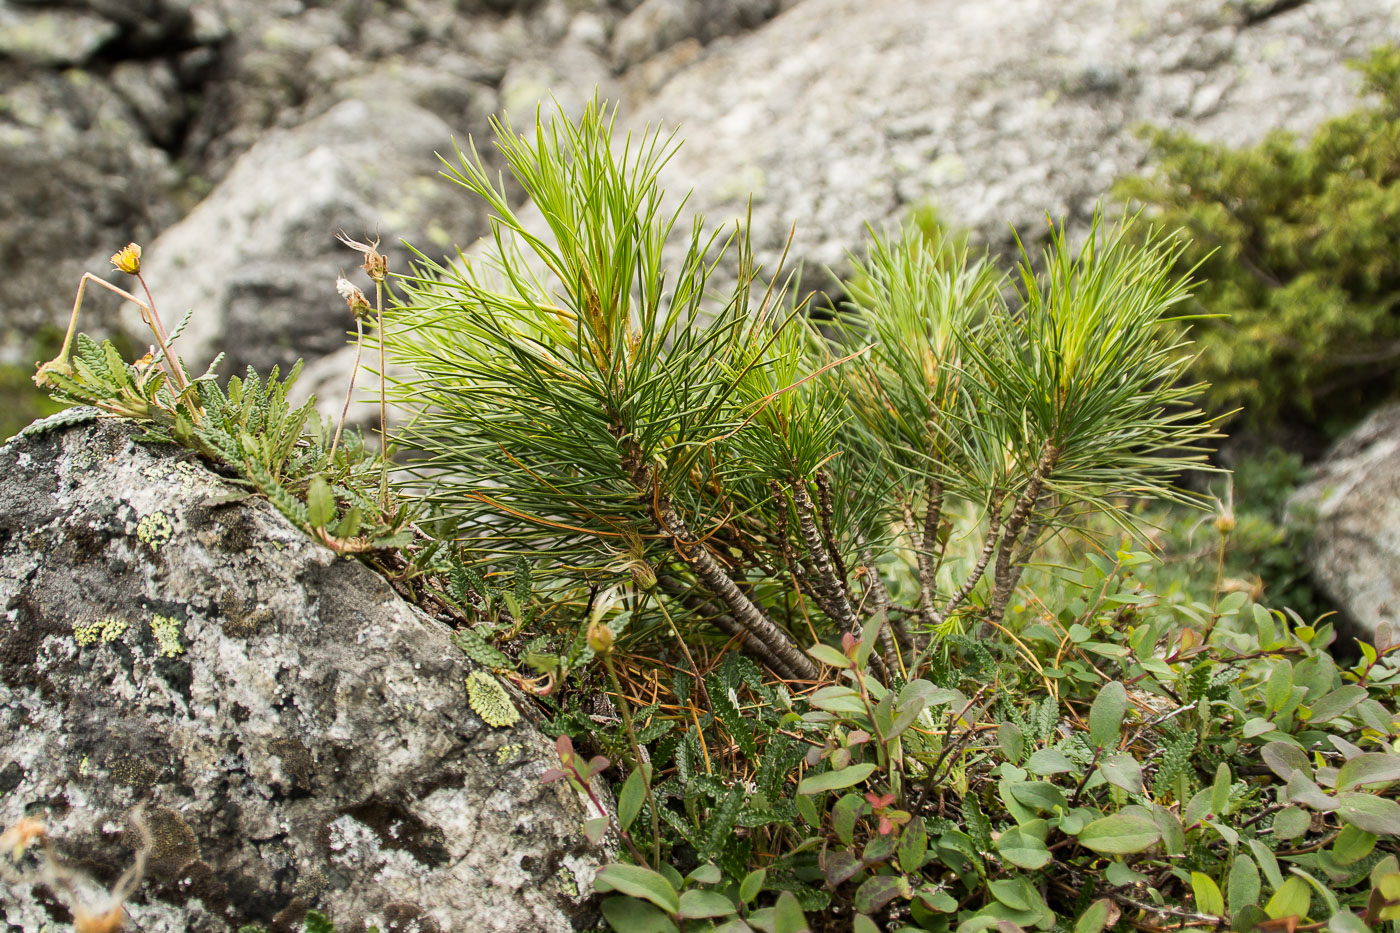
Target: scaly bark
[1015,548]
[833,592]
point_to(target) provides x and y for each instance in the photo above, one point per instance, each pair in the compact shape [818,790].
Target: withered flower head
[600,638]
[21,836]
[60,366]
[359,304]
[376,265]
[128,259]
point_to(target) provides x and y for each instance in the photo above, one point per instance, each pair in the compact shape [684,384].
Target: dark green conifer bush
[1296,246]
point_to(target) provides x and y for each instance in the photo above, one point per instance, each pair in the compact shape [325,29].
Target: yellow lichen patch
[568,881]
[490,701]
[104,630]
[508,753]
[155,530]
[167,633]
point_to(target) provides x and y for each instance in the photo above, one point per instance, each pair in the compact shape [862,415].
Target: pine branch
[832,591]
[988,547]
[928,540]
[1007,575]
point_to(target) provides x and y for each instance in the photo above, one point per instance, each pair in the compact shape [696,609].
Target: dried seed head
[109,921]
[600,638]
[376,265]
[128,259]
[359,304]
[22,835]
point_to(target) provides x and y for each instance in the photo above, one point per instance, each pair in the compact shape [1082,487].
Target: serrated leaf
[836,780]
[1106,715]
[637,881]
[349,526]
[1120,834]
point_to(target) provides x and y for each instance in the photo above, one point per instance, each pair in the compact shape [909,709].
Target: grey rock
[292,733]
[52,37]
[1352,503]
[836,113]
[657,25]
[78,179]
[257,259]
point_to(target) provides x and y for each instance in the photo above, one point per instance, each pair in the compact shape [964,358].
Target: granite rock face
[840,113]
[1353,505]
[295,735]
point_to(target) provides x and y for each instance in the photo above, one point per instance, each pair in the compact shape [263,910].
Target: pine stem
[988,547]
[726,623]
[928,541]
[832,591]
[713,576]
[1009,557]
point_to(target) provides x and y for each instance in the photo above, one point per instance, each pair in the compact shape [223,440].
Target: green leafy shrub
[1295,245]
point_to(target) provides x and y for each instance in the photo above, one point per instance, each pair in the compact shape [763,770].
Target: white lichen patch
[167,634]
[490,701]
[182,471]
[155,529]
[105,630]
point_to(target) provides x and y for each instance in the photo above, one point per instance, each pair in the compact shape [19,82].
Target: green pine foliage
[1294,243]
[585,401]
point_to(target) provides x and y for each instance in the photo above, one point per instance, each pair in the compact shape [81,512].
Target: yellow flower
[128,259]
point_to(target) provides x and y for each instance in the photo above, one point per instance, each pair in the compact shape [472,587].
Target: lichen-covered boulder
[293,734]
[1352,503]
